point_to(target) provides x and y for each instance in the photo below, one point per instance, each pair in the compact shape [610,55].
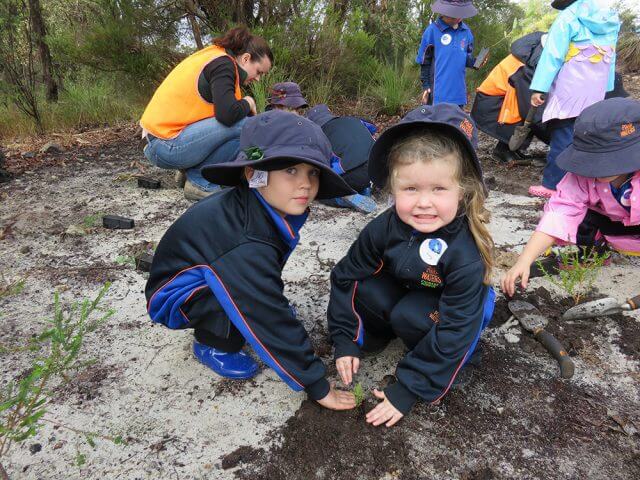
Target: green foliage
[577,272]
[393,90]
[358,393]
[260,90]
[90,221]
[126,260]
[23,402]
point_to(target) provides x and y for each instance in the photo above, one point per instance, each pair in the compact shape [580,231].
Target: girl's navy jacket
[442,329]
[223,260]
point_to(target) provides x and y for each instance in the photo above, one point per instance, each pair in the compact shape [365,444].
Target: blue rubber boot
[357,202]
[239,365]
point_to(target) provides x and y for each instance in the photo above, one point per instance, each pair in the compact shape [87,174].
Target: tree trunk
[193,21]
[39,33]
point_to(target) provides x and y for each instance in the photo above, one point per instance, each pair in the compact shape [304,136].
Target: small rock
[59,445]
[500,410]
[26,249]
[28,154]
[35,448]
[76,231]
[511,338]
[51,148]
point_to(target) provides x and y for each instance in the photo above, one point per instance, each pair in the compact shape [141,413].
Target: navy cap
[606,140]
[320,114]
[287,94]
[454,8]
[562,4]
[446,117]
[275,140]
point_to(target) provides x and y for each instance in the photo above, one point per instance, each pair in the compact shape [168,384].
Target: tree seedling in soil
[90,221]
[358,392]
[577,272]
[23,402]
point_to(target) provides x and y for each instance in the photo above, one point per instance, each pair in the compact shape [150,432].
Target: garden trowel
[601,307]
[523,131]
[533,321]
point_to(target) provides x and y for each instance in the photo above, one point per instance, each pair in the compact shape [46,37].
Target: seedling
[126,260]
[91,220]
[23,402]
[358,392]
[577,272]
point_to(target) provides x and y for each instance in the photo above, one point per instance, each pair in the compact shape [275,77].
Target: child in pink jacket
[597,203]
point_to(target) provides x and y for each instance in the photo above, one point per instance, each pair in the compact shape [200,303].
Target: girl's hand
[252,104]
[347,367]
[537,99]
[338,400]
[383,412]
[519,270]
[425,96]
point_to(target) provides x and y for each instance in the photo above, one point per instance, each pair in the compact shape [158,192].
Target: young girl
[598,201]
[421,270]
[575,70]
[286,96]
[218,268]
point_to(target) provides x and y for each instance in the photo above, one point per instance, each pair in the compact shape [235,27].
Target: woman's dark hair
[240,40]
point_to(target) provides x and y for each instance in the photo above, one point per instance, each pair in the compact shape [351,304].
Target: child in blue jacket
[218,268]
[421,270]
[445,52]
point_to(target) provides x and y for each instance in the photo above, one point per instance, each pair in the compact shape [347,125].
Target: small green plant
[126,260]
[23,402]
[394,88]
[577,271]
[358,392]
[91,220]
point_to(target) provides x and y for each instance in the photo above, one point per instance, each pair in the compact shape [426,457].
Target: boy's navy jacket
[444,54]
[223,259]
[452,278]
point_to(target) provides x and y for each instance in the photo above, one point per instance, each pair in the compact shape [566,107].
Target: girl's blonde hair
[430,145]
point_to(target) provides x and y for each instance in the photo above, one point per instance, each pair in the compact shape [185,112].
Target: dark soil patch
[86,385]
[629,339]
[243,454]
[322,444]
[228,386]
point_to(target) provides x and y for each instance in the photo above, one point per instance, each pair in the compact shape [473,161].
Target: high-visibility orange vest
[497,85]
[177,102]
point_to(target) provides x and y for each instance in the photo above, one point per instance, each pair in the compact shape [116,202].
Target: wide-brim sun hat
[606,140]
[454,8]
[278,139]
[320,114]
[286,94]
[443,117]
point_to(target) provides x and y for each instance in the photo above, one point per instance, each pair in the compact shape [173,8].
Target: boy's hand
[519,270]
[347,366]
[383,412]
[338,400]
[537,99]
[424,99]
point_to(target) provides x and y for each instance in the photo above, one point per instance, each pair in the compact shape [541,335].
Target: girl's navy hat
[320,114]
[606,140]
[454,8]
[275,140]
[287,94]
[445,117]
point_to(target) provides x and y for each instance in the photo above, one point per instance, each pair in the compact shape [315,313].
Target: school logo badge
[625,198]
[431,278]
[467,127]
[627,129]
[432,249]
[445,39]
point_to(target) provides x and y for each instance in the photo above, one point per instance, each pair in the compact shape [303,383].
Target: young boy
[286,96]
[351,139]
[446,50]
[218,268]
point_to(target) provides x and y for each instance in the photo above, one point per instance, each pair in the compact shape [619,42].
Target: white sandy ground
[152,389]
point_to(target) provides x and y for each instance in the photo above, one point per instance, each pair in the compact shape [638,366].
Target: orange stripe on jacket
[177,103]
[497,85]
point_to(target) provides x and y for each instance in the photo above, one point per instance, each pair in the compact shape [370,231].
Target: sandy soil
[516,419]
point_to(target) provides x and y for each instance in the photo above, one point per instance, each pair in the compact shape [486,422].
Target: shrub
[392,90]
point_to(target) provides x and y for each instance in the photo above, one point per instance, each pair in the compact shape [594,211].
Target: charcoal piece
[143,262]
[148,182]
[117,223]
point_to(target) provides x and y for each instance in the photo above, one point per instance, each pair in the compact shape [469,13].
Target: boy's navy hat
[287,94]
[561,4]
[275,140]
[454,8]
[445,117]
[320,114]
[606,140]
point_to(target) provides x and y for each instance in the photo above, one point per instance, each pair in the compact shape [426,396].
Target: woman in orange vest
[195,116]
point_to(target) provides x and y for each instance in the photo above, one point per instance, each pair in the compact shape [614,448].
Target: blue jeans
[202,143]
[561,135]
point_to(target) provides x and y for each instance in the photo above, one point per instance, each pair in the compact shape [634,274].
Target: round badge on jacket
[445,39]
[432,249]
